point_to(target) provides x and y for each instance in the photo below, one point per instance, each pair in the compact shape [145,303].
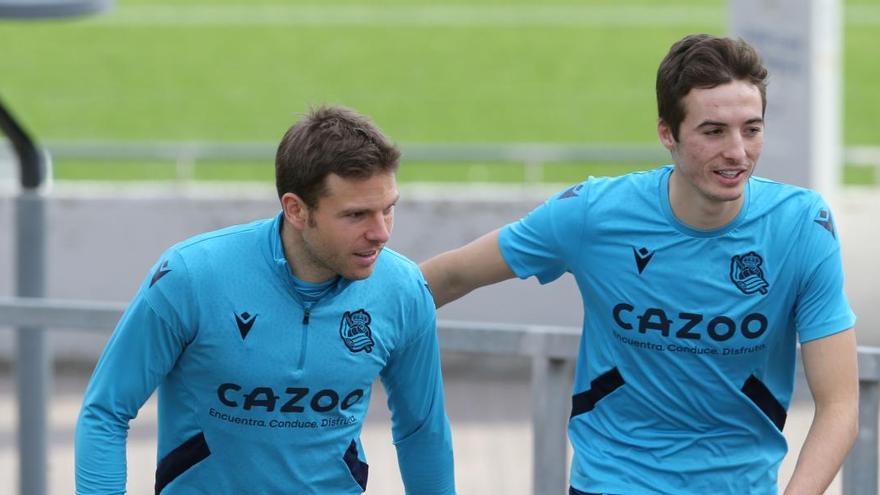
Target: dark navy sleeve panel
[538,243]
[414,385]
[141,351]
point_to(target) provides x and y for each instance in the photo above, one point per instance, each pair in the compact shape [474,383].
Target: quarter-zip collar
[282,268]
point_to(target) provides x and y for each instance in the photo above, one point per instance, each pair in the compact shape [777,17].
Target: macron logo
[160,272]
[245,321]
[643,257]
[824,219]
[571,192]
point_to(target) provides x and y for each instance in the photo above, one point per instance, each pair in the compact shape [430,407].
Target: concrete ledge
[103,239]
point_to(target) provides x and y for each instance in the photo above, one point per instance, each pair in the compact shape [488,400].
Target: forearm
[454,273]
[830,438]
[443,278]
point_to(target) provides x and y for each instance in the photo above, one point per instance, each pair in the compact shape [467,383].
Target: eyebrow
[713,123]
[359,210]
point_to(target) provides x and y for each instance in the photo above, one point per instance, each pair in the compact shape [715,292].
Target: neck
[302,264]
[696,210]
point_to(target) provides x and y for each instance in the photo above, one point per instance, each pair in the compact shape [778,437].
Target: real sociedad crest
[355,331]
[746,273]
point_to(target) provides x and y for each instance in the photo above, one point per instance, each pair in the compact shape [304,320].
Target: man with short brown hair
[697,281]
[265,339]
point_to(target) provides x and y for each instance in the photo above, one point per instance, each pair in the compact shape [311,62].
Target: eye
[754,130]
[714,132]
[388,210]
[355,215]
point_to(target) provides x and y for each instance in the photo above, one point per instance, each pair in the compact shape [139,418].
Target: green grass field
[477,71]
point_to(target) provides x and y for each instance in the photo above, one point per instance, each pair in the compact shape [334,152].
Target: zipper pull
[306,314]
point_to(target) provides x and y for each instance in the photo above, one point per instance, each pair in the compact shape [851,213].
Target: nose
[379,230]
[735,148]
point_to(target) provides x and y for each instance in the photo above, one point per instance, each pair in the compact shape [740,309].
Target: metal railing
[534,155]
[552,351]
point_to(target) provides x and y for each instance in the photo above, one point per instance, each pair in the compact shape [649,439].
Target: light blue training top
[260,392]
[687,360]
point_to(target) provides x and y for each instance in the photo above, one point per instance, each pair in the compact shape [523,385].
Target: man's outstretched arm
[831,367]
[455,273]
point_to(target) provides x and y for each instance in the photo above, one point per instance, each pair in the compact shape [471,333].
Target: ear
[296,212]
[664,132]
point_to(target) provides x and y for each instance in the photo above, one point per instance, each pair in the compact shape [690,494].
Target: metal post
[33,366]
[551,401]
[860,468]
[33,371]
[800,42]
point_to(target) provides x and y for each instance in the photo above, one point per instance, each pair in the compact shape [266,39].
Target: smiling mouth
[366,255]
[729,174]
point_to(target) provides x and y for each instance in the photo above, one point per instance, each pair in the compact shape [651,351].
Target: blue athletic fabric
[310,292]
[687,360]
[258,392]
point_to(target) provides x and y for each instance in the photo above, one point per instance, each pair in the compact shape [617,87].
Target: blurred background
[161,119]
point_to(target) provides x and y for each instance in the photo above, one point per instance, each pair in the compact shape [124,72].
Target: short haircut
[704,61]
[331,140]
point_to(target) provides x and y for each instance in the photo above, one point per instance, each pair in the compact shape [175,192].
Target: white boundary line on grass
[421,16]
[463,16]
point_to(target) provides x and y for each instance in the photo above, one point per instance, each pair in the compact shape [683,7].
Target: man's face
[718,145]
[349,227]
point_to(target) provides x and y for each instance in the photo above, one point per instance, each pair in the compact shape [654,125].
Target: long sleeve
[142,350]
[420,428]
